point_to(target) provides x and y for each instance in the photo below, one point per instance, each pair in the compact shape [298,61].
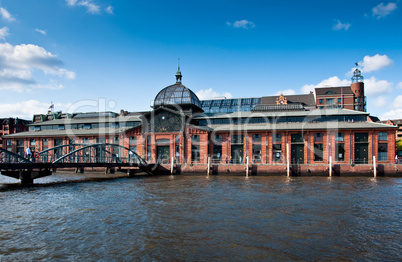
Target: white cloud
[25,109]
[17,64]
[373,87]
[393,114]
[286,92]
[91,7]
[330,82]
[109,9]
[206,94]
[399,85]
[397,102]
[43,32]
[71,2]
[339,26]
[241,24]
[382,10]
[380,101]
[89,4]
[375,63]
[6,15]
[4,32]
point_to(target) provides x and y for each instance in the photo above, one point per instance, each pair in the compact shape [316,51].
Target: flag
[51,106]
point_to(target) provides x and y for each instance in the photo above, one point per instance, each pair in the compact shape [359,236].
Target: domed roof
[176,94]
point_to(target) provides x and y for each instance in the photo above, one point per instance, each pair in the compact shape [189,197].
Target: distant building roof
[305,100]
[339,90]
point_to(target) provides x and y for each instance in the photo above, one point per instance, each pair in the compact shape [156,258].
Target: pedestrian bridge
[78,156]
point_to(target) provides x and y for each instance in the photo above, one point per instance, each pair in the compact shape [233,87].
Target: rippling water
[197,218]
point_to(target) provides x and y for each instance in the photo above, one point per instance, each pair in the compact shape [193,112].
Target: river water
[199,218]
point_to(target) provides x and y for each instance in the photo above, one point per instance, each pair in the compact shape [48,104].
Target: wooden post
[246,166]
[330,166]
[374,167]
[287,160]
[209,165]
[172,166]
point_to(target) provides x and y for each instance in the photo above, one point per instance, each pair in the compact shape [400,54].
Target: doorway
[163,154]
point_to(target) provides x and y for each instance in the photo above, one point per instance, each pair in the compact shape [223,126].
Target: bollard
[374,167]
[246,166]
[172,166]
[287,160]
[209,165]
[330,166]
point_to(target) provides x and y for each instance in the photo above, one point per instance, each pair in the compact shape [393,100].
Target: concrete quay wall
[388,170]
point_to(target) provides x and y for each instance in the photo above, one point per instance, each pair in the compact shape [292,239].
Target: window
[318,152]
[330,101]
[85,140]
[318,137]
[37,128]
[340,152]
[217,139]
[339,100]
[256,138]
[115,125]
[256,153]
[32,142]
[361,137]
[382,151]
[45,142]
[383,136]
[132,140]
[340,137]
[277,138]
[321,101]
[195,139]
[9,142]
[61,127]
[277,152]
[195,153]
[87,126]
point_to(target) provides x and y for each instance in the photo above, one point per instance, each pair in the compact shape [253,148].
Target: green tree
[399,145]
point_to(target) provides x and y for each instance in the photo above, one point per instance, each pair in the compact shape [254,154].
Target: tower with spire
[357,88]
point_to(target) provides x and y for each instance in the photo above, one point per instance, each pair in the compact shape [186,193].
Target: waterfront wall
[280,170]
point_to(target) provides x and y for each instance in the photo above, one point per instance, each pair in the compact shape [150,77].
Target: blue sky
[90,55]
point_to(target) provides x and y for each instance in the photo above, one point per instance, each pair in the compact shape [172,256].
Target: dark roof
[176,94]
[306,100]
[322,91]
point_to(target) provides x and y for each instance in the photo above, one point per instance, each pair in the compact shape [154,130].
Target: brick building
[348,97]
[265,130]
[12,126]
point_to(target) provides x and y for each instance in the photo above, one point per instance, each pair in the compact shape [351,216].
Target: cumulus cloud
[382,10]
[380,101]
[374,87]
[375,63]
[109,9]
[6,15]
[245,24]
[393,114]
[399,85]
[4,32]
[339,26]
[25,109]
[43,32]
[17,64]
[330,82]
[396,111]
[88,4]
[206,94]
[286,92]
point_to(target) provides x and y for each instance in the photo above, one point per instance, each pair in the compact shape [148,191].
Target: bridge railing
[12,158]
